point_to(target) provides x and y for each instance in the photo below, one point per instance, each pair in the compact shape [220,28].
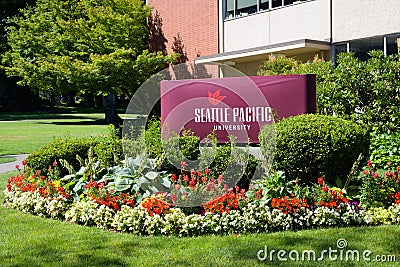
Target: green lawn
[24,132]
[26,240]
[6,159]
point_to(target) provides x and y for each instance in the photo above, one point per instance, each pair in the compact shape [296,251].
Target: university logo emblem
[215,98]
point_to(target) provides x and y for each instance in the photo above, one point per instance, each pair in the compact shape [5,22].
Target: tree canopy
[96,46]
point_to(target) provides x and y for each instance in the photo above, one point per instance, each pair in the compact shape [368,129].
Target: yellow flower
[57,184]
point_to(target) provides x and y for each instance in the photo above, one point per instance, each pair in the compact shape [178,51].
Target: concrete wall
[309,20]
[354,19]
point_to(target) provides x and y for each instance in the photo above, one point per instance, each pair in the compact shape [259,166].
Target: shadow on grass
[85,121]
[51,114]
[42,116]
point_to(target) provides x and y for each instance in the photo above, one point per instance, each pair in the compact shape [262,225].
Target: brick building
[243,33]
[193,25]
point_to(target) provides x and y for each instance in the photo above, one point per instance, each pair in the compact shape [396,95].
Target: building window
[277,3]
[392,44]
[289,2]
[389,44]
[230,9]
[246,7]
[240,8]
[360,48]
[264,5]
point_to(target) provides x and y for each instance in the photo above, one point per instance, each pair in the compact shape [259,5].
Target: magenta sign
[237,106]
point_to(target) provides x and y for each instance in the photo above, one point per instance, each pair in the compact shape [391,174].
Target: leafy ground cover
[33,241]
[25,132]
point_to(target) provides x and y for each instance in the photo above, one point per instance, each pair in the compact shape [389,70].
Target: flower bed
[229,212]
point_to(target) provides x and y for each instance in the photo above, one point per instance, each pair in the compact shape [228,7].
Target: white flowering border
[252,218]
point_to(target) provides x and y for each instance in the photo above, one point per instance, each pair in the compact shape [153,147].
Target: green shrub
[309,146]
[385,148]
[153,138]
[378,186]
[235,163]
[59,148]
[107,149]
[361,91]
[278,65]
[185,147]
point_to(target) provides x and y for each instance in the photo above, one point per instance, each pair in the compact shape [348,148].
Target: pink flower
[183,164]
[220,179]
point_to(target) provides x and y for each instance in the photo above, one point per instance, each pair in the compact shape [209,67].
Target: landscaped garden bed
[230,213]
[139,196]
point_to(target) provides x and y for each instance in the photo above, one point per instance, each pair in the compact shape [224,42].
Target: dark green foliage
[59,148]
[309,146]
[279,65]
[107,149]
[378,186]
[187,144]
[235,163]
[153,138]
[361,91]
[186,147]
[176,149]
[385,148]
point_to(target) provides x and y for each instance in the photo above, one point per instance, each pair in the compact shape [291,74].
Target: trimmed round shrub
[107,149]
[66,149]
[309,146]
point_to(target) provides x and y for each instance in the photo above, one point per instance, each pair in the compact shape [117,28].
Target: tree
[12,96]
[92,46]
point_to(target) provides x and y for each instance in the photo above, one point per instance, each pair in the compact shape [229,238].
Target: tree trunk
[110,110]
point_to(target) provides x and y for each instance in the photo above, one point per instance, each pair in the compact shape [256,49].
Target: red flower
[325,189]
[23,162]
[173,177]
[17,167]
[206,171]
[320,180]
[369,164]
[115,206]
[186,179]
[55,163]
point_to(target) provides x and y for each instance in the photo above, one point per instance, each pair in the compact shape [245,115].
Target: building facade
[251,30]
[244,33]
[189,27]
